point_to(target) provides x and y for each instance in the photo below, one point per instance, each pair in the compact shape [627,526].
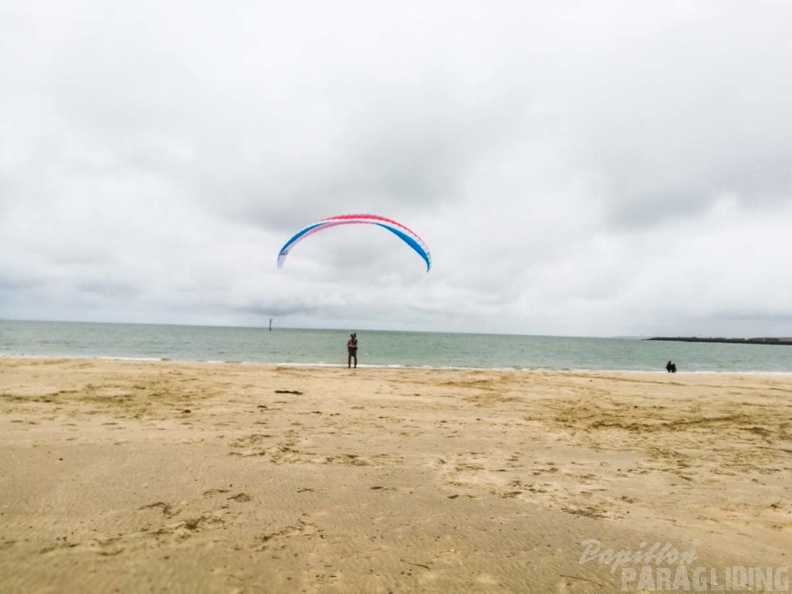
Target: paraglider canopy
[407,235]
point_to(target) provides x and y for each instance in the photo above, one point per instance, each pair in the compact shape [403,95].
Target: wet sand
[170,477]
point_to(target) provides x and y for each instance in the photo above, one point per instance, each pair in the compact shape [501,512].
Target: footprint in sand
[241,498]
[167,508]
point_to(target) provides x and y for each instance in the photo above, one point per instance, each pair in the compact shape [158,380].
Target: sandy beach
[120,476]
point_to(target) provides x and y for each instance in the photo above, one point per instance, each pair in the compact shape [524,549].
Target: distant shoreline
[771,341]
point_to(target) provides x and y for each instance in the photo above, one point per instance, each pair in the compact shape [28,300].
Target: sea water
[381,348]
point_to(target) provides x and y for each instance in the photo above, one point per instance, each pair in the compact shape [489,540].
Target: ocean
[380,348]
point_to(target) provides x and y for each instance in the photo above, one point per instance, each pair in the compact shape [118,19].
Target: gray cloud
[616,168]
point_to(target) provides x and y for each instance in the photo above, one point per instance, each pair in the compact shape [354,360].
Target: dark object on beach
[352,347]
[671,367]
[288,392]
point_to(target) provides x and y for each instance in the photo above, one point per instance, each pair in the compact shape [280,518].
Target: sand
[121,476]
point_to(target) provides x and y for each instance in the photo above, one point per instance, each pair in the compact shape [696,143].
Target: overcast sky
[576,168]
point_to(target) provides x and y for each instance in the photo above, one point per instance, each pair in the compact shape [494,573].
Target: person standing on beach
[352,347]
